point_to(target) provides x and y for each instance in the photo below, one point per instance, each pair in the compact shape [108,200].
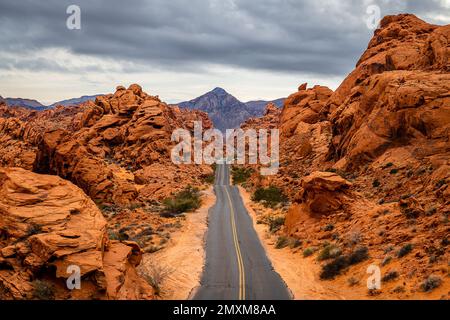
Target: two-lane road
[237,267]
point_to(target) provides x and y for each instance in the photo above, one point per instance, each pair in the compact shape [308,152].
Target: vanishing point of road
[236,267]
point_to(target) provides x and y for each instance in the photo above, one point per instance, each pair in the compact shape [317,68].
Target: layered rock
[48,224]
[270,119]
[122,138]
[21,131]
[383,139]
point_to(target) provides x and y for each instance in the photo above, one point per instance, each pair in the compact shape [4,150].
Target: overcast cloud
[180,49]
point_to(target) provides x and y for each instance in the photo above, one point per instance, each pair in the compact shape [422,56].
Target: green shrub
[329,252]
[276,223]
[43,290]
[388,165]
[308,252]
[282,242]
[335,267]
[209,179]
[184,201]
[271,196]
[329,227]
[241,174]
[358,255]
[431,283]
[394,171]
[294,243]
[390,276]
[405,250]
[376,183]
[120,236]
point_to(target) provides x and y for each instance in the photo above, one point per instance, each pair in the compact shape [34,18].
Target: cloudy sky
[180,49]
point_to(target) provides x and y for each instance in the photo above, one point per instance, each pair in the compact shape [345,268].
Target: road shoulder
[300,275]
[183,258]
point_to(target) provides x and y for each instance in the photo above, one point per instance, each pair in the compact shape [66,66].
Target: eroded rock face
[119,138]
[270,120]
[323,192]
[21,131]
[383,139]
[48,224]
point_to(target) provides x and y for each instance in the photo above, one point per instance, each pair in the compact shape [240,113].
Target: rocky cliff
[367,167]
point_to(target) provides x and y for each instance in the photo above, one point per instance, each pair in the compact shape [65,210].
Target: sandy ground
[183,258]
[300,275]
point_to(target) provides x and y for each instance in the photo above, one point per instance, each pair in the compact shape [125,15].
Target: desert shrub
[358,255]
[386,260]
[336,266]
[294,243]
[209,179]
[241,174]
[43,290]
[431,283]
[388,165]
[333,268]
[394,171]
[309,252]
[282,242]
[376,183]
[405,250]
[276,223]
[329,252]
[120,235]
[155,276]
[392,275]
[184,201]
[329,227]
[271,196]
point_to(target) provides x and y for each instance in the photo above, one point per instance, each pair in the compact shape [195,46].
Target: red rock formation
[386,132]
[124,139]
[270,119]
[48,224]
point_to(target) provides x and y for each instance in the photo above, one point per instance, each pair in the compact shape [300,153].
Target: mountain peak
[219,90]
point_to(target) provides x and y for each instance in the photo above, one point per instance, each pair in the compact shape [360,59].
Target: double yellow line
[238,250]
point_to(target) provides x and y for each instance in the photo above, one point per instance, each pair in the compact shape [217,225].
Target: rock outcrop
[48,224]
[120,140]
[368,165]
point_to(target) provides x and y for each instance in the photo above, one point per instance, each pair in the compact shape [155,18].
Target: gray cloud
[322,37]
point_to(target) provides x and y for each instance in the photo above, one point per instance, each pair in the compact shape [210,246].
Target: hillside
[366,168]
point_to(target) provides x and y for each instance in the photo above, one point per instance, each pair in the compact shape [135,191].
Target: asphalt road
[237,267]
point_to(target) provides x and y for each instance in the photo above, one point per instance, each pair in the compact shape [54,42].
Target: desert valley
[364,180]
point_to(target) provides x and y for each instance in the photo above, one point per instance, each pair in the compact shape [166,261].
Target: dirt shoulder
[181,262]
[299,274]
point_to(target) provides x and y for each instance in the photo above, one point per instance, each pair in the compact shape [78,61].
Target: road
[236,267]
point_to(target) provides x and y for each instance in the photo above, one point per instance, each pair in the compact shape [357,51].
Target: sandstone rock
[323,192]
[120,134]
[61,227]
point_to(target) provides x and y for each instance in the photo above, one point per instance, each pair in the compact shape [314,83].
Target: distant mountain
[36,105]
[226,111]
[74,101]
[24,103]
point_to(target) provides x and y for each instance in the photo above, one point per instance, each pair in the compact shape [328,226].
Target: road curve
[236,267]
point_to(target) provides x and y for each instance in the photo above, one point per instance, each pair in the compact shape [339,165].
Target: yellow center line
[238,250]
